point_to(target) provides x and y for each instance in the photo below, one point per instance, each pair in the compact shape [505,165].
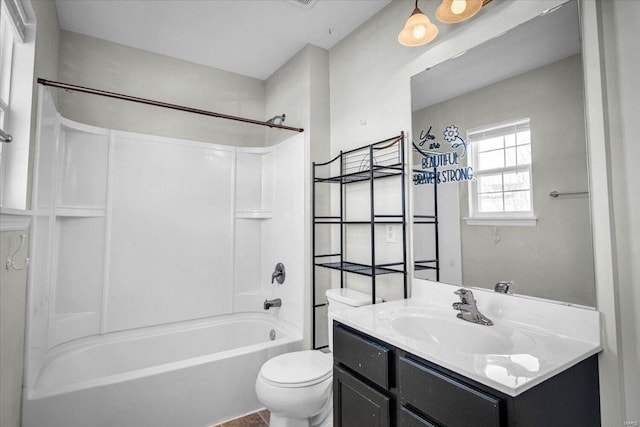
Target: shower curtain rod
[161,104]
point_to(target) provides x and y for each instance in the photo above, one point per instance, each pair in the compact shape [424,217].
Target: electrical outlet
[390,233]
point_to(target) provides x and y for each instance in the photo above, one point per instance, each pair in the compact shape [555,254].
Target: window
[500,155]
[17,53]
[6,56]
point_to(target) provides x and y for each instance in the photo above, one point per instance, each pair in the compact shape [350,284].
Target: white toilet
[296,387]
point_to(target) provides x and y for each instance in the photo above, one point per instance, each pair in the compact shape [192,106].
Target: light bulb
[419,31]
[458,6]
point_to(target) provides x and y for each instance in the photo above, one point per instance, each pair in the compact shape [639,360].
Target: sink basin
[436,329]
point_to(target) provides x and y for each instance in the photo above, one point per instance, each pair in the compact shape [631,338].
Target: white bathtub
[193,374]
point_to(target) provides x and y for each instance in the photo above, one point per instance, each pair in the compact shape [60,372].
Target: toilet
[297,387]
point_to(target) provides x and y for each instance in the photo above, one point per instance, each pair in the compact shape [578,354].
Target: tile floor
[257,419]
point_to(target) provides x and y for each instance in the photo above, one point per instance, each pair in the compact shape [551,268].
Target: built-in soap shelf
[254,214]
[254,183]
[84,212]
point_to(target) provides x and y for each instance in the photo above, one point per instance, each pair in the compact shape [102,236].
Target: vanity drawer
[409,419]
[361,355]
[444,399]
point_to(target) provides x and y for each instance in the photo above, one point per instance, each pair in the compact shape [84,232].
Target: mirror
[500,155]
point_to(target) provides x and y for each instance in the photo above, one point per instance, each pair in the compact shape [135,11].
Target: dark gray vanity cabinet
[377,384]
[356,403]
[361,381]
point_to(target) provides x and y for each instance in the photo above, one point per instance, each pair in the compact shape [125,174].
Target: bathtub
[192,374]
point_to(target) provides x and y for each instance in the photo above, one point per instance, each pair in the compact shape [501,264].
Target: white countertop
[531,340]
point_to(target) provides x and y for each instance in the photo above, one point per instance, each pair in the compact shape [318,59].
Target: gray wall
[46,60]
[13,296]
[300,88]
[553,259]
[96,63]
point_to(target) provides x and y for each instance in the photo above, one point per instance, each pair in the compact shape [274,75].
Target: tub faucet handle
[279,274]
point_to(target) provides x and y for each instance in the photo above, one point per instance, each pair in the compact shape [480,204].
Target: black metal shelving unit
[429,220]
[380,160]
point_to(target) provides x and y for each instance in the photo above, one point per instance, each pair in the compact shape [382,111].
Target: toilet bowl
[297,387]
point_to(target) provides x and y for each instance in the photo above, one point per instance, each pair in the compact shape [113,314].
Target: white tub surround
[137,238]
[196,373]
[531,340]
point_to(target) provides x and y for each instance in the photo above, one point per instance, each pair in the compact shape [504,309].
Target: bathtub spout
[268,303]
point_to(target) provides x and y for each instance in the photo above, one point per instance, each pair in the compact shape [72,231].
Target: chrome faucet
[268,303]
[468,309]
[503,287]
[279,273]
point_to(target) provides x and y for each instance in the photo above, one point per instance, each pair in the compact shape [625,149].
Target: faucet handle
[503,286]
[465,295]
[278,274]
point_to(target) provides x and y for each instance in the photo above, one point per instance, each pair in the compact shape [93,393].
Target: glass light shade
[452,11]
[418,30]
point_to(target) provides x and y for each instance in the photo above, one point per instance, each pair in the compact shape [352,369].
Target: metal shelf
[419,265]
[364,175]
[367,164]
[432,220]
[383,219]
[363,269]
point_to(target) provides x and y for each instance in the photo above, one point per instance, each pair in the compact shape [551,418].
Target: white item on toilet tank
[341,299]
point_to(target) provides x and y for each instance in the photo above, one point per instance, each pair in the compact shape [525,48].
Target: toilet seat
[297,369]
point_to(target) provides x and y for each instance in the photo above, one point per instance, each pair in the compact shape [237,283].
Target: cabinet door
[356,404]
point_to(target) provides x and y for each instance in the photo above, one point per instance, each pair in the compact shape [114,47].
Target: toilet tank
[341,299]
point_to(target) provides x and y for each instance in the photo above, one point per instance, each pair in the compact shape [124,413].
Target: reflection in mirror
[496,131]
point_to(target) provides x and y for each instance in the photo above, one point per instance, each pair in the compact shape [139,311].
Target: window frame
[17,56]
[8,30]
[517,218]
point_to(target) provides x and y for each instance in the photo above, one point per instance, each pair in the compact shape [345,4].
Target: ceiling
[249,37]
[534,44]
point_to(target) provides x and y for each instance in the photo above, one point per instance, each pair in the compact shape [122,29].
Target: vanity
[414,363]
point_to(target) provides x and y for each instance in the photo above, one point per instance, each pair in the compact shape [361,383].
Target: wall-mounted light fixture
[419,30]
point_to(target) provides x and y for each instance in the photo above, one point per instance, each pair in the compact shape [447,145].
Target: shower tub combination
[151,260]
[193,374]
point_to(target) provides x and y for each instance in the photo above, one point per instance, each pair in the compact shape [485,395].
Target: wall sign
[443,167]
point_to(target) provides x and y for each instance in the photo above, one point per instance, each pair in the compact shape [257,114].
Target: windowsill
[14,219]
[513,221]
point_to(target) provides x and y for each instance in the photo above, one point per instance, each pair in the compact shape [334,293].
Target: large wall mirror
[500,155]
